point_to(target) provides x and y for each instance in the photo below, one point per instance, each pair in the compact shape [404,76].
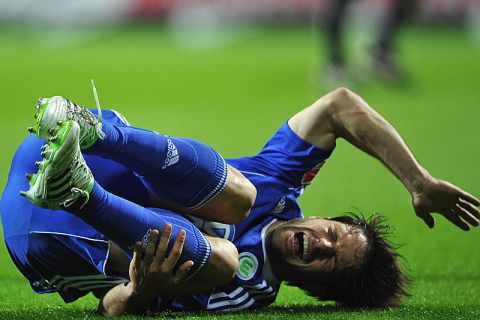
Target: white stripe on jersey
[230,295]
[103,285]
[260,289]
[235,300]
[228,302]
[83,282]
[252,173]
[57,280]
[258,286]
[84,286]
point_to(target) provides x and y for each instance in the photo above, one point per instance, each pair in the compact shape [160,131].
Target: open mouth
[300,245]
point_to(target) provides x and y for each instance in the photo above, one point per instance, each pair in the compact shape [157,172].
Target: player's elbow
[344,108]
[340,98]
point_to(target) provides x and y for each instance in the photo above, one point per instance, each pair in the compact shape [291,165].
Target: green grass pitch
[233,97]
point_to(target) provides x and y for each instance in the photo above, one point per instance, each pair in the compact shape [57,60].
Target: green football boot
[63,176]
[51,112]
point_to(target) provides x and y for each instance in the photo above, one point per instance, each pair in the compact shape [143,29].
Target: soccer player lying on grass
[344,259]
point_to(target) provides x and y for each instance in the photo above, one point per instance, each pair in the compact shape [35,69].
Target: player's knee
[230,262]
[244,202]
[242,194]
[224,260]
[233,204]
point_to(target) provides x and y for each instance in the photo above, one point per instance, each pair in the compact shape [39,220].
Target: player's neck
[273,226]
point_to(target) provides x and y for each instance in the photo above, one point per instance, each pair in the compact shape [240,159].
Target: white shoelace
[97,102]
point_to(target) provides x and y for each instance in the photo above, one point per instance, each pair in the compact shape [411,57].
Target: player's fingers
[150,248]
[176,251]
[136,261]
[468,197]
[137,254]
[466,216]
[183,270]
[427,218]
[454,218]
[163,244]
[470,208]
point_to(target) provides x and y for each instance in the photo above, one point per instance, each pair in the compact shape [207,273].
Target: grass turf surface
[233,97]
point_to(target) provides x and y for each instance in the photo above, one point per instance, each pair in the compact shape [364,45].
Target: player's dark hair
[380,280]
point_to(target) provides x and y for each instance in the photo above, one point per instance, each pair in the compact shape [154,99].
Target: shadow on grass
[272,312]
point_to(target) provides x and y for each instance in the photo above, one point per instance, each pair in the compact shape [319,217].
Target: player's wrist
[420,183]
[137,297]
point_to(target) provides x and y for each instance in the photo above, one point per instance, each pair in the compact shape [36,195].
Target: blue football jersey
[254,285]
[280,173]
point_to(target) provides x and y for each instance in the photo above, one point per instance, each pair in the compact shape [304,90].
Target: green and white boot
[63,176]
[51,112]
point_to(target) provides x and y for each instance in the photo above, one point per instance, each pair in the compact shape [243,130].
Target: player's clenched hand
[458,206]
[151,271]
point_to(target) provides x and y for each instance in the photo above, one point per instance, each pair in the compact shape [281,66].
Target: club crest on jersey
[248,265]
[310,175]
[280,206]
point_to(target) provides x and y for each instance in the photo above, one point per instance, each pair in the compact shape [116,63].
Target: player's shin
[125,223]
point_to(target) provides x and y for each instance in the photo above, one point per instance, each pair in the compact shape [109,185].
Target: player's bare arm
[343,114]
[152,273]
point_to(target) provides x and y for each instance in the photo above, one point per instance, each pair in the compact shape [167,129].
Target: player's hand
[151,270]
[442,197]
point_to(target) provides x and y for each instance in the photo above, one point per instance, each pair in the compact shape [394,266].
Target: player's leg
[183,174]
[125,223]
[334,29]
[384,55]
[64,181]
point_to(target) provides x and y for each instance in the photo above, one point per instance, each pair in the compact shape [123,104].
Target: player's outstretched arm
[343,114]
[152,274]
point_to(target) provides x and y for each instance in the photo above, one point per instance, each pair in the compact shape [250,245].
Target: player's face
[314,249]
